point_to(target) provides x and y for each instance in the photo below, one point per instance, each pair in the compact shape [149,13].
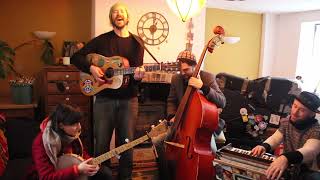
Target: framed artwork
[274,119]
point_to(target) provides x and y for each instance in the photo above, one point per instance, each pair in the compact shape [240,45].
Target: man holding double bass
[206,84]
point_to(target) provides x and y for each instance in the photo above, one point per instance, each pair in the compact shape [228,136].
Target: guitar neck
[119,150]
[130,70]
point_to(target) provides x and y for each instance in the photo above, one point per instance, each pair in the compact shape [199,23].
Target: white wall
[176,40]
[268,45]
[287,35]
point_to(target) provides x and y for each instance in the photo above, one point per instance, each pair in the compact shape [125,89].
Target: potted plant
[47,54]
[22,89]
[21,86]
[6,59]
[48,50]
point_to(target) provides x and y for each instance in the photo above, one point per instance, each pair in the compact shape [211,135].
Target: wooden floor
[144,164]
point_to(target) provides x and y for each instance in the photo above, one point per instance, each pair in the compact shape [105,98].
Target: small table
[12,110]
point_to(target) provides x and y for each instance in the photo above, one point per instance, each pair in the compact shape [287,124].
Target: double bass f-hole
[189,150]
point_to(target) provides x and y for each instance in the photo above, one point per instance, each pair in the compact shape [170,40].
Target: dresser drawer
[64,87]
[61,85]
[77,100]
[64,76]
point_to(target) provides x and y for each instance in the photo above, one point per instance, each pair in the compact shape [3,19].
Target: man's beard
[187,76]
[186,79]
[114,24]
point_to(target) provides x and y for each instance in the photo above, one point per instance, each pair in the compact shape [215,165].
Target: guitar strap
[142,44]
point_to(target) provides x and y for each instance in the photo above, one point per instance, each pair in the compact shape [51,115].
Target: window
[308,65]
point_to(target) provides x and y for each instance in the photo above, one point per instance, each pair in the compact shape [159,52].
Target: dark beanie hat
[310,100]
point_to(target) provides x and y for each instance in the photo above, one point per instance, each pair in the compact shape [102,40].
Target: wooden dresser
[60,84]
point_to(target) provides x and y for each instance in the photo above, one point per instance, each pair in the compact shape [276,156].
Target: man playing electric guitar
[114,108]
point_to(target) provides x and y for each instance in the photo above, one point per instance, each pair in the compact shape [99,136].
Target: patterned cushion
[4,154]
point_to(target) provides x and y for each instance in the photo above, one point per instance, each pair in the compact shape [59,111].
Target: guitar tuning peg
[152,126]
[127,140]
[160,121]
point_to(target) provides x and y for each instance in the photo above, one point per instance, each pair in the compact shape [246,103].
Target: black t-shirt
[110,44]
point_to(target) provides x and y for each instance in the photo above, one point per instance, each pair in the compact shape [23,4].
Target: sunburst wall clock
[153,28]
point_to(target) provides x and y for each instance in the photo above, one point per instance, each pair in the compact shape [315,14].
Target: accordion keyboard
[243,160]
[247,155]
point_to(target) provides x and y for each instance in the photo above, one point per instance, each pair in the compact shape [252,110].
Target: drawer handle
[67,99]
[67,88]
[67,76]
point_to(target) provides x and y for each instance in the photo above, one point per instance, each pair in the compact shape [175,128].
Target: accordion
[235,164]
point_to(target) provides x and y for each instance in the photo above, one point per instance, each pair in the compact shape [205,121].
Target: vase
[21,94]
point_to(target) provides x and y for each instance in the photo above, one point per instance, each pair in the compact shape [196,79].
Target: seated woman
[60,135]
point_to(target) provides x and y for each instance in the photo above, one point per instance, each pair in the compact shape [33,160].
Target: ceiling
[266,6]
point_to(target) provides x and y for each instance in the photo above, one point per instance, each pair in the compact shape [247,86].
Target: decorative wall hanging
[153,28]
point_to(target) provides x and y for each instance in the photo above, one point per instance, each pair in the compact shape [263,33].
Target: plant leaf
[3,73]
[47,54]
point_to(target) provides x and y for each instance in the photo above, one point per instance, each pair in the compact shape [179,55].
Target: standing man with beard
[114,108]
[300,134]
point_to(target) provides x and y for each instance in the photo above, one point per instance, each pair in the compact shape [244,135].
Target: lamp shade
[44,34]
[186,9]
[231,39]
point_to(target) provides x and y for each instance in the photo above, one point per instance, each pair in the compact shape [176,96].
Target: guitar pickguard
[89,86]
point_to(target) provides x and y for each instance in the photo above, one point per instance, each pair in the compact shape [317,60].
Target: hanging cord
[142,44]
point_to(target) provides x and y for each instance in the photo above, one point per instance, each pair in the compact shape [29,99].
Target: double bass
[196,118]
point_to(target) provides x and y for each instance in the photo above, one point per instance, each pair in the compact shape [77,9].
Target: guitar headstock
[161,128]
[217,40]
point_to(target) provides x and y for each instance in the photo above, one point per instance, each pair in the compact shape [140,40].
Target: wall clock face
[153,28]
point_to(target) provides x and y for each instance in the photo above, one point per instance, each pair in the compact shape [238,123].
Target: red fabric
[4,154]
[45,168]
[44,124]
[85,154]
[42,165]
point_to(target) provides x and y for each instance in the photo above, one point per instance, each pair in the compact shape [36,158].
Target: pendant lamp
[186,9]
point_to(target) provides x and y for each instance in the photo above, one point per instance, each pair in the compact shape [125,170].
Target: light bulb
[185,9]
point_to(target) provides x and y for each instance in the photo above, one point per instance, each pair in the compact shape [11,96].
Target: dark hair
[65,114]
[187,61]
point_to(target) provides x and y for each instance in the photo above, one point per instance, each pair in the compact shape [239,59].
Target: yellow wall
[241,59]
[70,19]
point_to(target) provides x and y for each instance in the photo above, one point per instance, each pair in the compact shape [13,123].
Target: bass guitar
[68,160]
[115,68]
